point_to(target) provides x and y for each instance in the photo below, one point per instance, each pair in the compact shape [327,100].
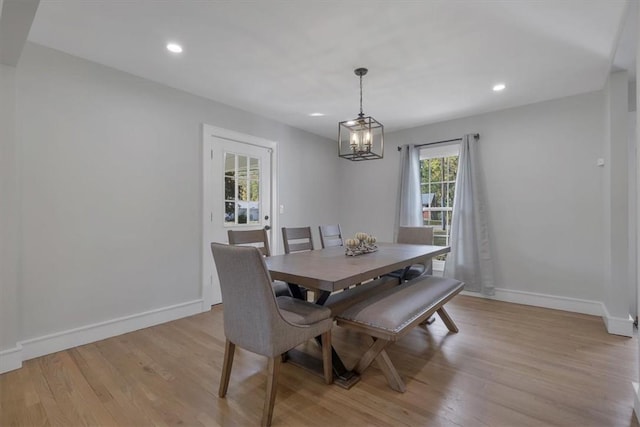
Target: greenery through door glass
[437,185]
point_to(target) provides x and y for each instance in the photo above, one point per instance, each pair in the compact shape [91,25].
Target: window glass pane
[242,167]
[229,213]
[436,190]
[254,168]
[229,164]
[427,198]
[436,166]
[242,190]
[452,169]
[242,213]
[450,194]
[440,240]
[229,188]
[254,212]
[254,187]
[438,199]
[424,171]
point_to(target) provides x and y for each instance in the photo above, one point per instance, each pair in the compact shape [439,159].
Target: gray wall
[110,205]
[543,186]
[616,197]
[9,217]
[111,189]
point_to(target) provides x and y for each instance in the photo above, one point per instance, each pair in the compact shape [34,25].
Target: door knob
[267,227]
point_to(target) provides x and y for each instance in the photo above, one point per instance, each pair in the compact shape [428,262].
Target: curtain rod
[475,135]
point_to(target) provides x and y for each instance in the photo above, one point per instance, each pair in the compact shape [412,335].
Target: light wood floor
[510,365]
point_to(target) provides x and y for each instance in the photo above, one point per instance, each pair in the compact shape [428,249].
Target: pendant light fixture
[363,137]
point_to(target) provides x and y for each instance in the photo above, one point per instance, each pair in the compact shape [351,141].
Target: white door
[238,193]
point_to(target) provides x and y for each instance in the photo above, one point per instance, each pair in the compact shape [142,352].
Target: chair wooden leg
[229,349]
[272,384]
[326,357]
[447,320]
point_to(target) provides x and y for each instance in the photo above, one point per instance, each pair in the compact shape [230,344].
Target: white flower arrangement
[361,244]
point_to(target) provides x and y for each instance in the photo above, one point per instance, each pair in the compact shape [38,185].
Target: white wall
[9,218]
[111,189]
[616,200]
[543,186]
[636,400]
[309,186]
[633,215]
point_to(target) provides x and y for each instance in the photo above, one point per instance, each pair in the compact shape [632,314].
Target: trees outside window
[438,171]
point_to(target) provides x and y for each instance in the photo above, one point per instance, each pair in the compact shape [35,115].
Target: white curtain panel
[470,258]
[409,206]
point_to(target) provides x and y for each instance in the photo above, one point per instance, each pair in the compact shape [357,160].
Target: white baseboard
[614,325]
[35,347]
[617,325]
[575,305]
[11,359]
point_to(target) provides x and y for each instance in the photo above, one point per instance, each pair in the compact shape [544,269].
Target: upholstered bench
[390,314]
[340,301]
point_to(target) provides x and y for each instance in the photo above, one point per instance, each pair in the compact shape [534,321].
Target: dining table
[330,270]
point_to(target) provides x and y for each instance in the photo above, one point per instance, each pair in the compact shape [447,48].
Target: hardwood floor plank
[509,365]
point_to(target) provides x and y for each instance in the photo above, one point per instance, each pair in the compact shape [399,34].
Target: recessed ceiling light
[174,47]
[316,114]
[498,87]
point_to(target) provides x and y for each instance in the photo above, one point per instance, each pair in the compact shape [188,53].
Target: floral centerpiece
[361,244]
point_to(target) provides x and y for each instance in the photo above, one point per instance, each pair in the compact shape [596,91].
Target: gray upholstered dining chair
[297,239]
[264,324]
[330,235]
[260,239]
[416,236]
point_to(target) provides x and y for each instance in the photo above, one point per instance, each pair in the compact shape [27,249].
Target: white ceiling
[428,60]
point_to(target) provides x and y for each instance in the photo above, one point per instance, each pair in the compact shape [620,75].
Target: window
[241,190]
[438,171]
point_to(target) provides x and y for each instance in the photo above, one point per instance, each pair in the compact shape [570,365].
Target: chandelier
[363,137]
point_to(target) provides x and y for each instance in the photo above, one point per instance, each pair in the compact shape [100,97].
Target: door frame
[208,133]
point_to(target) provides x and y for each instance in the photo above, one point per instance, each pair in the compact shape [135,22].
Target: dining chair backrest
[415,235]
[297,239]
[260,240]
[250,322]
[257,238]
[330,235]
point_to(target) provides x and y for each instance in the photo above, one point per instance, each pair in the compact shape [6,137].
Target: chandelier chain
[361,113]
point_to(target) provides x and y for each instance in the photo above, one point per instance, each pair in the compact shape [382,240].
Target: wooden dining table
[329,270]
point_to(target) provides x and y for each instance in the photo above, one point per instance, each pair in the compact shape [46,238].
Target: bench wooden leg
[370,355]
[390,372]
[377,352]
[447,320]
